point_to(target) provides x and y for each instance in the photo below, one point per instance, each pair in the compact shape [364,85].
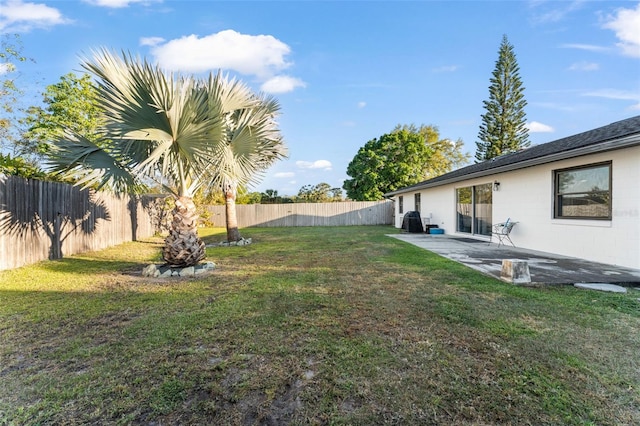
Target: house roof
[621,134]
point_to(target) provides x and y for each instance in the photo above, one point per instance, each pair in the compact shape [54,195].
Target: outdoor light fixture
[496,185]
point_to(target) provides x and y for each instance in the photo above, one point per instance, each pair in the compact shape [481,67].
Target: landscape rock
[149,270]
[166,271]
[204,267]
[189,271]
[242,242]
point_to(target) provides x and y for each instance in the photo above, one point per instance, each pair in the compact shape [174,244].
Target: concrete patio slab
[613,288]
[544,268]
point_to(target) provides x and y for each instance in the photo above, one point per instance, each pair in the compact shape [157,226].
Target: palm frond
[178,130]
[167,119]
[254,144]
[228,95]
[255,141]
[90,164]
[132,95]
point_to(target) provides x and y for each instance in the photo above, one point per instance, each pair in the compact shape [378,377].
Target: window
[400,200]
[583,192]
[417,202]
[473,208]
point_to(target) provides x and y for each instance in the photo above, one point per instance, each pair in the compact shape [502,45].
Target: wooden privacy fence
[46,220]
[308,214]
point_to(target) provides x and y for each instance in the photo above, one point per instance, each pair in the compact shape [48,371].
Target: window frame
[400,204]
[557,195]
[416,201]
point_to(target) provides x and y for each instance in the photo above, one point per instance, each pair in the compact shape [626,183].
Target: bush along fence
[42,220]
[307,214]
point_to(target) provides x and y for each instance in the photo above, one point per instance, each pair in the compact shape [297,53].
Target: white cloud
[282,84]
[17,16]
[626,25]
[263,55]
[535,127]
[318,164]
[584,66]
[362,104]
[555,106]
[446,68]
[617,95]
[553,11]
[589,47]
[285,175]
[151,41]
[5,68]
[117,4]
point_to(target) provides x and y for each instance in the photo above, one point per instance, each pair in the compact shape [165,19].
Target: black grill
[412,222]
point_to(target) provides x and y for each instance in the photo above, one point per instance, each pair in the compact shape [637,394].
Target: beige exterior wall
[526,196]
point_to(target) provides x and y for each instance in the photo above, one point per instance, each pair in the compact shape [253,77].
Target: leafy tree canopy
[216,196]
[404,157]
[71,105]
[503,129]
[270,196]
[10,92]
[320,193]
[17,166]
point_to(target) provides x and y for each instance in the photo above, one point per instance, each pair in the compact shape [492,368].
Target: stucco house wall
[433,205]
[526,196]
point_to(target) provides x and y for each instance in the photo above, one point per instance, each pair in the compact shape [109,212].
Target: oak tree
[320,193]
[404,157]
[71,104]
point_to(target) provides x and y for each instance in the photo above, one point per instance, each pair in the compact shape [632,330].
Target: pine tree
[503,129]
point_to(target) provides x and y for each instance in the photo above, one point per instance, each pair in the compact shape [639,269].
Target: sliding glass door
[464,207]
[473,209]
[483,203]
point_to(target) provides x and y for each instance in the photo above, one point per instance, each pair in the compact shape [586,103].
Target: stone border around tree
[166,271]
[241,242]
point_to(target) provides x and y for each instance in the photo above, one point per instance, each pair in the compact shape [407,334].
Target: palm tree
[252,145]
[164,128]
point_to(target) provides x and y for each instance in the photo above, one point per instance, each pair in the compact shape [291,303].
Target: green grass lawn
[309,326]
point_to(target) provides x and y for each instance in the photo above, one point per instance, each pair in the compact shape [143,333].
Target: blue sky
[346,72]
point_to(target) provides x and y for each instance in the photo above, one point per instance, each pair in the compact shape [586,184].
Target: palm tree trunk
[230,191]
[183,247]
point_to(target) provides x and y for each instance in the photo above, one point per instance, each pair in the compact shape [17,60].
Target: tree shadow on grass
[74,265]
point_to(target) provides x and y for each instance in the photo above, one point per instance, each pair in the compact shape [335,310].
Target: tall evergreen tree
[503,129]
